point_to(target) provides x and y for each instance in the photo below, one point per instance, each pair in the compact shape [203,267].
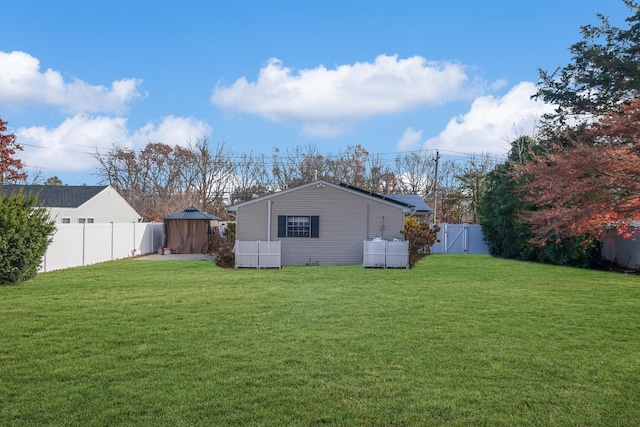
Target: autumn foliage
[590,186]
[582,191]
[421,237]
[10,166]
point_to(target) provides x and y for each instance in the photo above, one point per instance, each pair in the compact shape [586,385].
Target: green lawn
[457,340]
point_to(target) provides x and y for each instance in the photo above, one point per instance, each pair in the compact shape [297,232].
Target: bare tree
[449,205]
[207,173]
[310,164]
[472,179]
[297,166]
[159,179]
[379,177]
[416,172]
[251,178]
[350,166]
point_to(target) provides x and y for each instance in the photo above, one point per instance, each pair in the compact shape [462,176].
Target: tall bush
[223,247]
[421,237]
[25,233]
[501,213]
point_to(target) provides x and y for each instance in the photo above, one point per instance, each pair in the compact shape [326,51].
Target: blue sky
[393,76]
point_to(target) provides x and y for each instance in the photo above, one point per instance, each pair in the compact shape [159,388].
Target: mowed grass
[457,340]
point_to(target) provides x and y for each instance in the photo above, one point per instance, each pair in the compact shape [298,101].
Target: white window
[298,226]
[66,220]
[87,220]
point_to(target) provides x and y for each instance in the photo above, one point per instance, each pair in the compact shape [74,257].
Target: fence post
[465,238]
[445,239]
[112,240]
[84,240]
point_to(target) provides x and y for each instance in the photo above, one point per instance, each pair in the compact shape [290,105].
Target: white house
[71,204]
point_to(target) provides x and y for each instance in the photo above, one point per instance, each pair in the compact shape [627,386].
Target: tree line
[160,179]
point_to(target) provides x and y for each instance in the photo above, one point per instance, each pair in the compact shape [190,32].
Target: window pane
[66,220]
[298,226]
[82,220]
[90,220]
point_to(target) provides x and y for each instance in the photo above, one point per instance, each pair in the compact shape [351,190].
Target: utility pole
[435,191]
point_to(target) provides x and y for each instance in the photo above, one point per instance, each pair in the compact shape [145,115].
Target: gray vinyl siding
[251,222]
[343,224]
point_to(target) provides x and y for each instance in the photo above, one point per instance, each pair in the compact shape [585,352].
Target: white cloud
[410,140]
[22,83]
[492,122]
[324,130]
[322,98]
[172,131]
[71,146]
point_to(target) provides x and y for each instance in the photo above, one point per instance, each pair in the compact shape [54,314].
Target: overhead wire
[285,156]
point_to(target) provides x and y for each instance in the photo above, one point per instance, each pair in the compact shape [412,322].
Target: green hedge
[25,233]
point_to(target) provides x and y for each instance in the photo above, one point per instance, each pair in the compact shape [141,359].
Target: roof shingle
[56,196]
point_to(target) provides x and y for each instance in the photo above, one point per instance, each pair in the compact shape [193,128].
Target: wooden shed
[190,231]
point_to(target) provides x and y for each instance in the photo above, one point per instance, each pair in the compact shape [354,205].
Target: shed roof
[191,213]
[56,196]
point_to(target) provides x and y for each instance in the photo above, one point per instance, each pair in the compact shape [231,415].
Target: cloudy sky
[79,77]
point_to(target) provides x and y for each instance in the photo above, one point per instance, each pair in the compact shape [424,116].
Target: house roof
[56,196]
[191,213]
[412,199]
[376,195]
[388,199]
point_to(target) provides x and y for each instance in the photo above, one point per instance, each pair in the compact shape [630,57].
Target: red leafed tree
[621,127]
[10,166]
[588,188]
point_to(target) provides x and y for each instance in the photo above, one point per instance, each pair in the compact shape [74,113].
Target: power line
[288,157]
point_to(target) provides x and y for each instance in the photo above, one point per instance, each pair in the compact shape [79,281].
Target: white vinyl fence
[258,254]
[623,251]
[76,245]
[386,254]
[460,239]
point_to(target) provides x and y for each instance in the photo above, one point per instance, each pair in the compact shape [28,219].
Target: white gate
[460,239]
[257,254]
[385,254]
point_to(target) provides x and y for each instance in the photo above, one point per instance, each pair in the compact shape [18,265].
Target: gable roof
[345,187]
[191,213]
[56,196]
